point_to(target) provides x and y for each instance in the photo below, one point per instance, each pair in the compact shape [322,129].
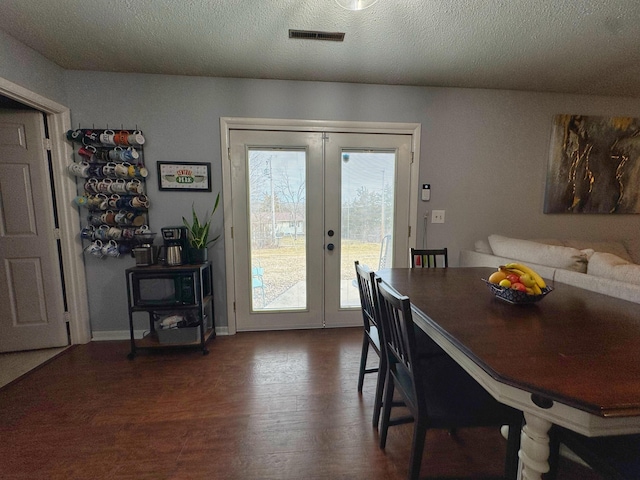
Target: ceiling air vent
[313,35]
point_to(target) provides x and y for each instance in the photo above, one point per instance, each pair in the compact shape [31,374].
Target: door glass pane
[368,184]
[277,227]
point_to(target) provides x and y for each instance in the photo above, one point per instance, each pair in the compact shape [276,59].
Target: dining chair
[371,337]
[428,258]
[613,457]
[436,390]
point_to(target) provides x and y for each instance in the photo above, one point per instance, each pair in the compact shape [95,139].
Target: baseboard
[112,335]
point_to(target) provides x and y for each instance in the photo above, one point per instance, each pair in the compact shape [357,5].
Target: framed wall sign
[191,176]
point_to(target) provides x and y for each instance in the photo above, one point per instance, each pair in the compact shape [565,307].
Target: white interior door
[305,206]
[31,301]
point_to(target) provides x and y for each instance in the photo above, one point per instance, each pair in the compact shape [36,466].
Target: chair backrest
[399,338]
[368,300]
[421,258]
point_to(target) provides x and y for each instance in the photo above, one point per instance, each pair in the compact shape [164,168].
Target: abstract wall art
[594,165]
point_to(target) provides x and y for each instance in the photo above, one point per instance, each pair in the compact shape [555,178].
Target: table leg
[534,448]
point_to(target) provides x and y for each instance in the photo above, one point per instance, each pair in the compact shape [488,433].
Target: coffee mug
[91,186]
[128,233]
[129,154]
[121,170]
[119,186]
[87,151]
[79,169]
[101,233]
[137,171]
[109,170]
[74,135]
[114,154]
[139,201]
[95,170]
[136,138]
[87,232]
[95,220]
[141,229]
[124,248]
[115,233]
[104,185]
[110,249]
[113,200]
[135,186]
[95,248]
[106,137]
[103,201]
[90,136]
[121,138]
[138,220]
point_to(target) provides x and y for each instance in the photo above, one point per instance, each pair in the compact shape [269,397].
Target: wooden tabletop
[576,347]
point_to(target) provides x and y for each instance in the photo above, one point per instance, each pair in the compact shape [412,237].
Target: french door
[305,206]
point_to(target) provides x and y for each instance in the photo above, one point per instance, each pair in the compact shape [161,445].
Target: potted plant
[198,234]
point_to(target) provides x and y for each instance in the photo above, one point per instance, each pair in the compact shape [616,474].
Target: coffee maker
[174,250]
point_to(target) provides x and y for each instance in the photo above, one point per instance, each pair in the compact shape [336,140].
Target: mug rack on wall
[111,164]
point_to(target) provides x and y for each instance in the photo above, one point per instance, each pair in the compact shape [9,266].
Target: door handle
[330,246]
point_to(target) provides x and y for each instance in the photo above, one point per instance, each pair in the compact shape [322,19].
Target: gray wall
[483,152]
[26,67]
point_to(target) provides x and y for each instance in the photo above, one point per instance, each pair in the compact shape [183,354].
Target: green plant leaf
[198,231]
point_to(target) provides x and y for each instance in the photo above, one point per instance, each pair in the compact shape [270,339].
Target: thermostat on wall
[426,192]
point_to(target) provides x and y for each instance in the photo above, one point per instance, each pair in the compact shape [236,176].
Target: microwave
[163,289]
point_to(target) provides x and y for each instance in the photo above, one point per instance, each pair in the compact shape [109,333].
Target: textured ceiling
[570,46]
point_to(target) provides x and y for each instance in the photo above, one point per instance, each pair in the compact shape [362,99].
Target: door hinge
[67,317]
[47,143]
[57,234]
[232,232]
[409,230]
[234,307]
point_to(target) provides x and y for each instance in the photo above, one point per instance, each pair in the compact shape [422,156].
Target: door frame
[241,123]
[59,121]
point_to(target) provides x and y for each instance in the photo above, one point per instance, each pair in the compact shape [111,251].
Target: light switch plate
[437,216]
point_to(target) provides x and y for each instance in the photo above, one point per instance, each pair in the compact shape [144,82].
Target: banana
[539,281]
[506,270]
[536,290]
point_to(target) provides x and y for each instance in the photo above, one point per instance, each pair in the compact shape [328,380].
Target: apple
[527,280]
[519,286]
[513,278]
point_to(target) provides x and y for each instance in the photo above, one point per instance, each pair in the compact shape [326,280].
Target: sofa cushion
[567,258]
[616,248]
[607,265]
[482,246]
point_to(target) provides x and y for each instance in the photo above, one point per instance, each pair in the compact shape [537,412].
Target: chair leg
[417,447]
[363,361]
[389,388]
[377,405]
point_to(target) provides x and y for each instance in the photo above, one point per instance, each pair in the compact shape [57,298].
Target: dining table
[571,359]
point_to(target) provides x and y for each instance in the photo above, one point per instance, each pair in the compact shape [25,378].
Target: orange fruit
[497,277]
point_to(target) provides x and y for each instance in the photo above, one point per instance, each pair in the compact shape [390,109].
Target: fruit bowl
[515,297]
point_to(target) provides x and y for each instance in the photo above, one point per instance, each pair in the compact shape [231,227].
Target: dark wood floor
[271,405]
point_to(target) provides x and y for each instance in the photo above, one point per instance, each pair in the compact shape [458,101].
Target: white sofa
[611,268]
